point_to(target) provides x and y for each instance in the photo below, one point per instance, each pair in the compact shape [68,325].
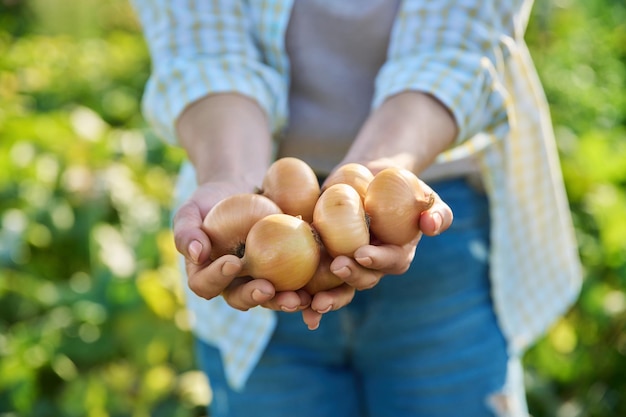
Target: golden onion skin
[293,186]
[282,249]
[227,224]
[394,201]
[340,220]
[323,279]
[356,175]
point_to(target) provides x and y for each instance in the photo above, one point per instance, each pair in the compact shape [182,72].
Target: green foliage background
[91,315]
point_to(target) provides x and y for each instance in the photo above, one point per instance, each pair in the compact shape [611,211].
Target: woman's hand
[228,141]
[372,262]
[407,131]
[221,277]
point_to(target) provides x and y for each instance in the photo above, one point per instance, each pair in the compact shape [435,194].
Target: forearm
[202,50]
[408,130]
[227,138]
[453,50]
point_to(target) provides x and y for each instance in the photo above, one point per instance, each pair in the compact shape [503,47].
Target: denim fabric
[426,343]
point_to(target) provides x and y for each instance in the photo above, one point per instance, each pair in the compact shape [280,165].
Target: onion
[394,201]
[323,279]
[340,220]
[227,224]
[292,184]
[282,249]
[356,175]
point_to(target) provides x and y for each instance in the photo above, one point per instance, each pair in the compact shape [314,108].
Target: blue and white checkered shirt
[471,56]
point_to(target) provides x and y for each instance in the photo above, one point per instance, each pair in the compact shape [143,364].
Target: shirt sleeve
[452,50]
[199,48]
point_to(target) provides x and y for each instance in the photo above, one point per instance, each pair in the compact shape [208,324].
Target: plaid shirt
[471,56]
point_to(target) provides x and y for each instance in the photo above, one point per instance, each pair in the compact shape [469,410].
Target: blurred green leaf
[92,321]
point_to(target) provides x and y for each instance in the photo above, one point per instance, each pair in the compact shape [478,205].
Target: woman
[445,89]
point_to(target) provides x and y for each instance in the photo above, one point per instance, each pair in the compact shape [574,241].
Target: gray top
[329,103]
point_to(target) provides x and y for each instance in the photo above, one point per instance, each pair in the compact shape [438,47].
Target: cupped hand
[221,277]
[371,262]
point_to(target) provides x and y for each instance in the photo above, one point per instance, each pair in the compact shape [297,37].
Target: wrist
[408,131]
[227,139]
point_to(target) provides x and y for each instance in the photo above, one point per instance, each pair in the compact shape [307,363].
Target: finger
[189,238]
[289,301]
[311,318]
[390,259]
[325,301]
[333,299]
[436,220]
[244,293]
[211,280]
[354,274]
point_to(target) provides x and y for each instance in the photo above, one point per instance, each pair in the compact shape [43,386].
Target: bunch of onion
[356,208]
[270,230]
[291,230]
[279,247]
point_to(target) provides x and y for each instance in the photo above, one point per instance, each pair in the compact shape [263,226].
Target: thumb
[189,238]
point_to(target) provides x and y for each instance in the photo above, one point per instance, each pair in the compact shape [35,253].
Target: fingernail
[436,216]
[195,249]
[365,261]
[229,269]
[326,310]
[288,309]
[259,296]
[314,327]
[343,272]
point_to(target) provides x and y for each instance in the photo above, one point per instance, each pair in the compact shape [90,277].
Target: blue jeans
[422,344]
